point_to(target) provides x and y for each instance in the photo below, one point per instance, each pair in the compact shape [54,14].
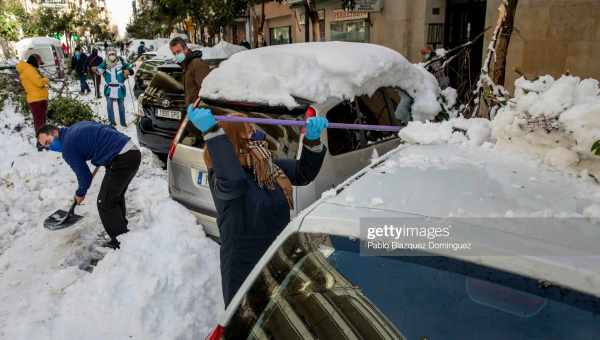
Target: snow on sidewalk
[556,120]
[163,283]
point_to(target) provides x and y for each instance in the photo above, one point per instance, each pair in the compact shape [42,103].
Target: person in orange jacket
[36,88]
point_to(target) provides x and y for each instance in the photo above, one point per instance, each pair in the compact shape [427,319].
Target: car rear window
[317,286]
[284,141]
[387,106]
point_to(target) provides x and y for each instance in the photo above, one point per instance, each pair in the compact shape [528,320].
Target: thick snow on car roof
[222,50]
[276,75]
[36,41]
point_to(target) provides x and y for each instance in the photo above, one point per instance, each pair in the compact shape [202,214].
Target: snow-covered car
[133,44]
[49,49]
[535,277]
[162,106]
[345,82]
[145,67]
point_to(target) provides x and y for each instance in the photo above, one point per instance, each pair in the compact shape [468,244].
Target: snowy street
[162,284]
[306,169]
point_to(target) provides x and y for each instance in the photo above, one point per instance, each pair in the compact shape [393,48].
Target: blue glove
[202,119]
[314,127]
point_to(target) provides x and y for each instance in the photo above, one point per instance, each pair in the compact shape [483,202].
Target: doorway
[465,21]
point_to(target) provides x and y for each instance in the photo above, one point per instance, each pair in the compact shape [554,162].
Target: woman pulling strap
[251,190]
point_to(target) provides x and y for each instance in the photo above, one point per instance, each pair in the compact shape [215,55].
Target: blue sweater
[85,141]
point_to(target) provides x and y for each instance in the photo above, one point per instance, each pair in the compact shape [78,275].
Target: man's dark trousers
[83,83]
[111,199]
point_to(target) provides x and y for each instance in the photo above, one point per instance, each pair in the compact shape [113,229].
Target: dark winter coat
[250,217]
[194,71]
[141,49]
[89,141]
[94,61]
[79,65]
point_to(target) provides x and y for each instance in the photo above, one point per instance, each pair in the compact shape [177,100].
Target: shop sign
[368,5]
[341,15]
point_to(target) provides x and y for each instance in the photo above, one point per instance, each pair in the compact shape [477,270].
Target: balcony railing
[435,35]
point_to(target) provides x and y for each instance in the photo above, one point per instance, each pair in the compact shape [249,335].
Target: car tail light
[310,112]
[173,146]
[216,334]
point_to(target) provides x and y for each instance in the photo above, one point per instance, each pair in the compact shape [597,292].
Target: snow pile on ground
[473,131]
[163,283]
[222,50]
[557,120]
[276,75]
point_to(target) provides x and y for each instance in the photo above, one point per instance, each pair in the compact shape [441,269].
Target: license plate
[170,114]
[202,179]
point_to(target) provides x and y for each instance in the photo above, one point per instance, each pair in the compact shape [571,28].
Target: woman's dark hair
[34,60]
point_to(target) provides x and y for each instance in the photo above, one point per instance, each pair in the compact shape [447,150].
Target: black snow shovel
[61,219]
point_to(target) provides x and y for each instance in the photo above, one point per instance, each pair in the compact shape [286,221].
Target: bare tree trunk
[258,23]
[491,96]
[310,11]
[314,18]
[7,50]
[306,21]
[499,71]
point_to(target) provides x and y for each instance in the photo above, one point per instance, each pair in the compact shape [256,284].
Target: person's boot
[112,243]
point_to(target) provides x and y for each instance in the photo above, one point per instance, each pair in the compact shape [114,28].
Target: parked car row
[314,281]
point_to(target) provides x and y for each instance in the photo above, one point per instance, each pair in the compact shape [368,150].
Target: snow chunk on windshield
[277,75]
[473,131]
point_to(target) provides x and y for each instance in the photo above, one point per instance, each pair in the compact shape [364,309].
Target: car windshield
[317,286]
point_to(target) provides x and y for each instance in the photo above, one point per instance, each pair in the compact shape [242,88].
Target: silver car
[347,151]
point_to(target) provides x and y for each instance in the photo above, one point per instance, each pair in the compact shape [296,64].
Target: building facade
[403,25]
[552,37]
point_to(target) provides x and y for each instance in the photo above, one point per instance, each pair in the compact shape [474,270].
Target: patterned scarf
[258,157]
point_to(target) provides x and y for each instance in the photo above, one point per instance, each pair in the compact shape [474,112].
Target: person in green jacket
[115,72]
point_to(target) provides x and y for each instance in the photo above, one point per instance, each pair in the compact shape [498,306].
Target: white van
[49,49]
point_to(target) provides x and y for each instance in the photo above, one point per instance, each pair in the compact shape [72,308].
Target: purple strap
[291,122]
